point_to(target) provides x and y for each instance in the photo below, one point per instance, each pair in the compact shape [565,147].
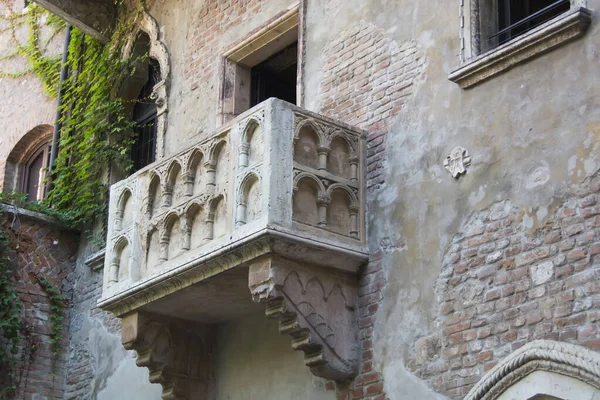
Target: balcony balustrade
[269,209]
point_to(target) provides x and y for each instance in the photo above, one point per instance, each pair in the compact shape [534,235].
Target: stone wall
[39,248]
[503,285]
[25,106]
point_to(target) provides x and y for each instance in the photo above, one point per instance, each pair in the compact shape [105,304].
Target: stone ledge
[560,30]
[37,216]
[96,260]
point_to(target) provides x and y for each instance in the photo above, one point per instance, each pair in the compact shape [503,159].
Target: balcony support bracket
[177,353]
[315,306]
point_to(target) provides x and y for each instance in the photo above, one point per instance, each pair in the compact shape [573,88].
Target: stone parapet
[277,183]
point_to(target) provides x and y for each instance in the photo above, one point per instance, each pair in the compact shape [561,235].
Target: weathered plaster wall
[253,361]
[532,133]
[24,105]
[98,365]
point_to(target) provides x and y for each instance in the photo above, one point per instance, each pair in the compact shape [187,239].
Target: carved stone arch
[170,232]
[343,210]
[249,203]
[216,217]
[172,188]
[251,147]
[123,201]
[159,52]
[316,127]
[120,246]
[247,125]
[562,358]
[153,247]
[30,144]
[214,149]
[351,194]
[309,201]
[155,183]
[303,175]
[338,133]
[342,158]
[192,171]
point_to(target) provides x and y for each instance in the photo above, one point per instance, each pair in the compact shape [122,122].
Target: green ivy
[96,130]
[10,323]
[68,218]
[57,305]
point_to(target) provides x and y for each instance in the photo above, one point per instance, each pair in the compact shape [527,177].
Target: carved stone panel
[316,307]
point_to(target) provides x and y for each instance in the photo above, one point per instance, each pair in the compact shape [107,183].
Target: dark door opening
[145,117]
[275,77]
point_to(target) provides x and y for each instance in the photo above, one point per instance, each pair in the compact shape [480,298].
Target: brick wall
[39,248]
[502,286]
[367,79]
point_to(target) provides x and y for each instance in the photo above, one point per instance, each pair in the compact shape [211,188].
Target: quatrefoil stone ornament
[457,161]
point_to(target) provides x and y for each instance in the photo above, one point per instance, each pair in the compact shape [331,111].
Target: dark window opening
[516,17]
[34,174]
[275,77]
[145,117]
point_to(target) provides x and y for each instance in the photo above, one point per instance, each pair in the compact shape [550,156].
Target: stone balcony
[269,209]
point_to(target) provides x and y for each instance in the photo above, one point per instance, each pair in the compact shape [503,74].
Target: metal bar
[530,17]
[64,71]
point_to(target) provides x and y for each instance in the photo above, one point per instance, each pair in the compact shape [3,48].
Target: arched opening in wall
[219,213]
[197,227]
[139,92]
[254,141]
[154,195]
[338,212]
[542,370]
[221,160]
[125,213]
[152,250]
[249,203]
[195,171]
[306,147]
[174,236]
[305,207]
[174,183]
[338,160]
[25,168]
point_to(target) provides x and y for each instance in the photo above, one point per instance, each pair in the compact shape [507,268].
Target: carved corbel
[177,353]
[316,307]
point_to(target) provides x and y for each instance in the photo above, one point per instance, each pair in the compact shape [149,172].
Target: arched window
[26,164]
[33,172]
[143,151]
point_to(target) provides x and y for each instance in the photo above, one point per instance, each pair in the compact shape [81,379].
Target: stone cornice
[236,254]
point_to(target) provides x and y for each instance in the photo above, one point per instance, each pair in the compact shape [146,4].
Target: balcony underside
[96,18]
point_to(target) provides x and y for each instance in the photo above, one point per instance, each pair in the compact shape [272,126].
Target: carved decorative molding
[177,353]
[316,307]
[457,161]
[563,358]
